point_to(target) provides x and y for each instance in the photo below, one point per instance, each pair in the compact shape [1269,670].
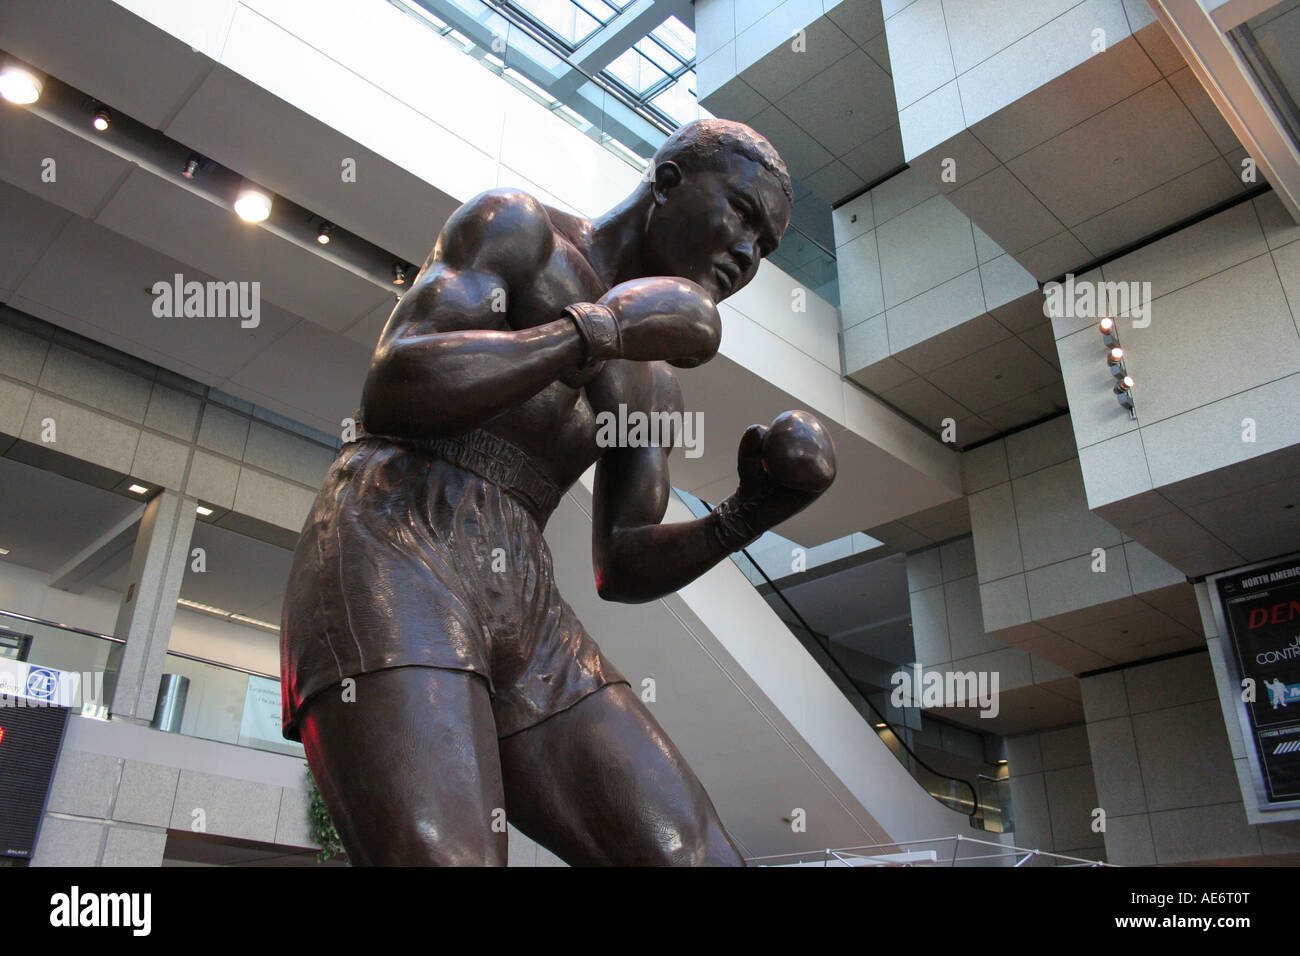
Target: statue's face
[715,226]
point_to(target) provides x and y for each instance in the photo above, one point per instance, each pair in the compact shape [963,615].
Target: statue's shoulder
[503,209]
[502,223]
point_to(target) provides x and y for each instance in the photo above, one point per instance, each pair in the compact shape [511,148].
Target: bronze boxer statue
[430,666]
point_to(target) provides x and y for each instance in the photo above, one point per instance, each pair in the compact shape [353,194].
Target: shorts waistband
[493,459]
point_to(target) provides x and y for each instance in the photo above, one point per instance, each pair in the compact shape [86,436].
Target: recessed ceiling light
[137,489]
[253,204]
[228,615]
[20,85]
[203,511]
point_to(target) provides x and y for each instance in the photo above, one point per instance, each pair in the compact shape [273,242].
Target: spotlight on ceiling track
[192,166]
[20,84]
[1115,359]
[399,273]
[1125,384]
[100,120]
[253,204]
[323,233]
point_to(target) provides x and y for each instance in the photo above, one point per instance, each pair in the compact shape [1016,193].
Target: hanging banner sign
[1259,617]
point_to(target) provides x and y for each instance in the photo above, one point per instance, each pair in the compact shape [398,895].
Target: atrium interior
[1015,631]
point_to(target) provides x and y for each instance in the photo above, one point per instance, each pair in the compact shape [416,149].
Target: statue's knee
[423,847]
[700,842]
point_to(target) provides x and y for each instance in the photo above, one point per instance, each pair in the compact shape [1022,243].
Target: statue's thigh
[408,766]
[601,784]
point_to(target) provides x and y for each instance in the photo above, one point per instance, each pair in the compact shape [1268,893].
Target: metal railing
[980,815]
[225,703]
[939,851]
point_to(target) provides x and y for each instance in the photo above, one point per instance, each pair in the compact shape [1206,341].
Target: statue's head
[721,200]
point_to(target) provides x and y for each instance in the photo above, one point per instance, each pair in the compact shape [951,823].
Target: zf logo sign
[42,683]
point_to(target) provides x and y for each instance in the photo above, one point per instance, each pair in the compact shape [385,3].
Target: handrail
[975,802]
[121,640]
[63,627]
[957,839]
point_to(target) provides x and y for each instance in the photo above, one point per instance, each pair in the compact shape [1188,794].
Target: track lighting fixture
[100,120]
[323,233]
[192,166]
[399,273]
[253,204]
[20,84]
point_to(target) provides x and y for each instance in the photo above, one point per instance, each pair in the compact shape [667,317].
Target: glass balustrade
[223,702]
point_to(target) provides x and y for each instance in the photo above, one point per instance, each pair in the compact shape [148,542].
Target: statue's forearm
[451,381]
[650,561]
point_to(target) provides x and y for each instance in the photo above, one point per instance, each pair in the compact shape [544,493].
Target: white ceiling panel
[144,71]
[92,280]
[85,175]
[215,241]
[844,105]
[365,331]
[1120,153]
[30,225]
[242,126]
[46,519]
[995,375]
[310,375]
[243,575]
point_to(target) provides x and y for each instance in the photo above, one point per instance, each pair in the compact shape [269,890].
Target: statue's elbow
[621,589]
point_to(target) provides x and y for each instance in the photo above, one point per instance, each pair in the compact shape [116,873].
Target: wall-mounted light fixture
[1115,361]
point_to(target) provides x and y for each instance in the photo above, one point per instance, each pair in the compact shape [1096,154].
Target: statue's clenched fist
[658,318]
[783,469]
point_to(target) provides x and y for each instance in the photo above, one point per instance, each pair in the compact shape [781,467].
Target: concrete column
[149,606]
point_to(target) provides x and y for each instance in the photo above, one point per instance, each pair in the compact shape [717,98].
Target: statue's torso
[558,426]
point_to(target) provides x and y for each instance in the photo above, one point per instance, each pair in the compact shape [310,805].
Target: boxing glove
[783,468]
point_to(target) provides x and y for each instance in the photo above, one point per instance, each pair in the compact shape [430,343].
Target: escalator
[983,797]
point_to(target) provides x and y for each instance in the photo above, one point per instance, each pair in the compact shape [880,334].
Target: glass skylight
[572,21]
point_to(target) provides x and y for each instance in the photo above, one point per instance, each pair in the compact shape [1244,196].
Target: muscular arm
[441,367]
[637,559]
